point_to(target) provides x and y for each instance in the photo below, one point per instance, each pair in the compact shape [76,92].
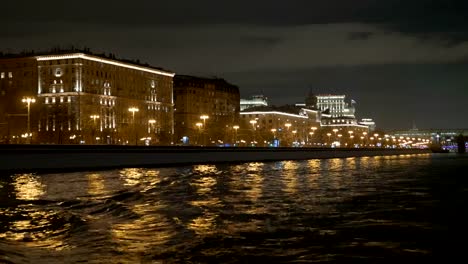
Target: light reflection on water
[315,210]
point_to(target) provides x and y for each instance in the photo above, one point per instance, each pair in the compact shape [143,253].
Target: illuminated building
[206,109]
[290,125]
[368,122]
[336,112]
[254,101]
[84,98]
[335,105]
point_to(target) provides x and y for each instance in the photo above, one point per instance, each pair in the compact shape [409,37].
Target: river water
[408,208]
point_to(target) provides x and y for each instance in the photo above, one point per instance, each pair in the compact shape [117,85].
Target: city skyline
[401,62]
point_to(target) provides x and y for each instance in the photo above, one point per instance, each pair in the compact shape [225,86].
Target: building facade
[87,99]
[205,110]
[335,105]
[272,127]
[254,101]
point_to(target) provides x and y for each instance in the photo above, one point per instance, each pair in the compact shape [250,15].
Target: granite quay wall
[44,158]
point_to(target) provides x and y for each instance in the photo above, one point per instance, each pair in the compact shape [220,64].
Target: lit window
[10,75]
[53,99]
[3,75]
[47,100]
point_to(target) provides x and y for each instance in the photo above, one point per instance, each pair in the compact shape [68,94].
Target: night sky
[402,61]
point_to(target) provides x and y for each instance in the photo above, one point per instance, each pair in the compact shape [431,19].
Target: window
[2,75]
[10,75]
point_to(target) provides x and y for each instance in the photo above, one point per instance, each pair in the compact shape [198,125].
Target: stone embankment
[43,158]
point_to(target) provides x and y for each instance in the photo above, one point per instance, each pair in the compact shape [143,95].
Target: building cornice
[102,60]
[272,112]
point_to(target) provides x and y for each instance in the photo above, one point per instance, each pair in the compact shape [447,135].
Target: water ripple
[369,209]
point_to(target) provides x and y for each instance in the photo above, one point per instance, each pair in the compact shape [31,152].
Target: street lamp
[204,117]
[334,131]
[94,117]
[151,123]
[235,132]
[253,122]
[133,110]
[199,125]
[29,101]
[329,135]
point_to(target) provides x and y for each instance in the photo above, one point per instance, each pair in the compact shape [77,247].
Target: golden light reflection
[350,163]
[314,170]
[204,185]
[254,180]
[28,187]
[96,184]
[151,230]
[132,176]
[36,229]
[204,225]
[290,176]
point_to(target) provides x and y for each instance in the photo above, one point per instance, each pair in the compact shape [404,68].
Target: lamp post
[204,118]
[94,117]
[351,137]
[151,123]
[253,122]
[29,101]
[334,131]
[133,110]
[199,125]
[235,133]
[312,134]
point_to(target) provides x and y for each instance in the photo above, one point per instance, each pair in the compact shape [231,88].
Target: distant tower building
[311,100]
[336,105]
[368,122]
[255,100]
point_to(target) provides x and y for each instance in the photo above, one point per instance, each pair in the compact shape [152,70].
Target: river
[383,209]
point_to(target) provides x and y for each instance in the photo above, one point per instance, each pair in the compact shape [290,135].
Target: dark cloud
[360,35]
[405,52]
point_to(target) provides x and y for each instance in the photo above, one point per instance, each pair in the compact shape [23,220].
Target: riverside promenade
[49,158]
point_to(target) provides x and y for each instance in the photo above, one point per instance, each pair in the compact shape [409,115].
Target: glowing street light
[253,122]
[199,125]
[329,135]
[29,101]
[204,118]
[94,117]
[133,110]
[235,127]
[273,130]
[151,123]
